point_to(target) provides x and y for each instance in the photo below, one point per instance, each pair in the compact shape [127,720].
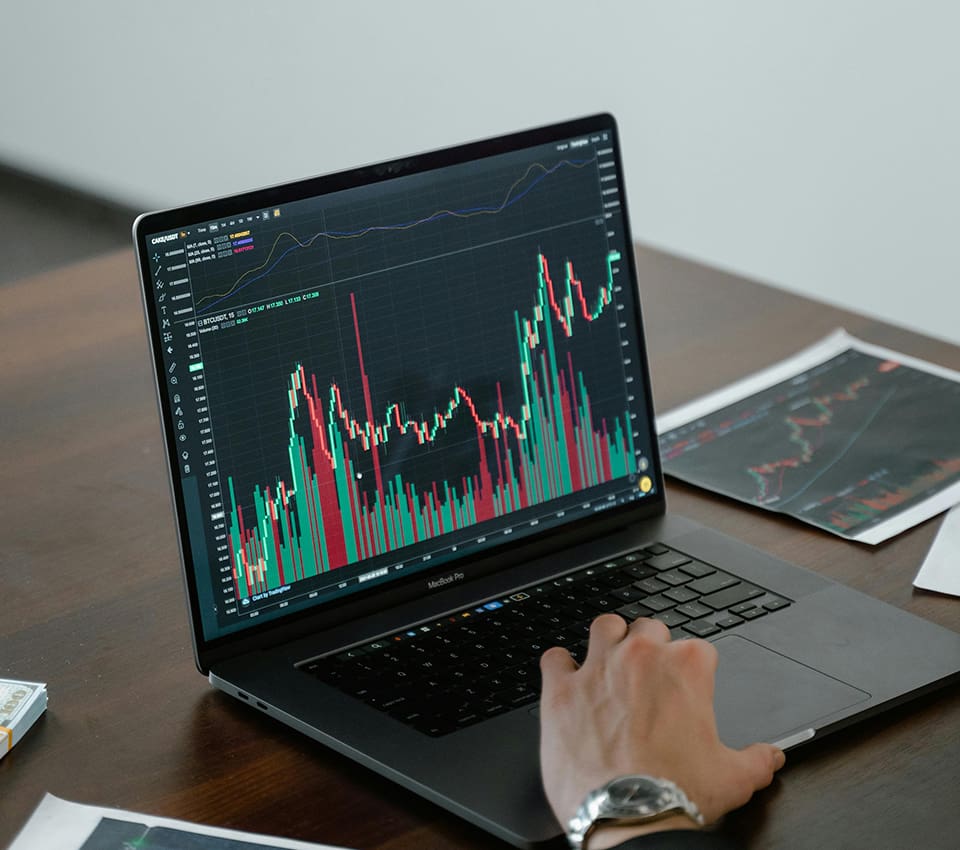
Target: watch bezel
[600,808]
[658,799]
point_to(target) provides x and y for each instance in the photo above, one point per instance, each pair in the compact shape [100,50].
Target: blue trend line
[856,436]
[341,234]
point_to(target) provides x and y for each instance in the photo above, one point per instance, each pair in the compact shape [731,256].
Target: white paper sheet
[829,347]
[64,825]
[941,568]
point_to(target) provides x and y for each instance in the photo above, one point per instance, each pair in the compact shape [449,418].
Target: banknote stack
[21,703]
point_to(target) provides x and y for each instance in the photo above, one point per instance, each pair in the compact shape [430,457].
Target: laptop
[411,444]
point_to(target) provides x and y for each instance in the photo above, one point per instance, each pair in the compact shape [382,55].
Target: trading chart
[844,445]
[379,378]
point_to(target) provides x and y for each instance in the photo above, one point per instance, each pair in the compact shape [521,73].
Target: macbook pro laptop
[411,442]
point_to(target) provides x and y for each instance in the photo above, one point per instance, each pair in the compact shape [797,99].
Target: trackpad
[762,695]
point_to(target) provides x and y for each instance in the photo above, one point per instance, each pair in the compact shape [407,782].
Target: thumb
[760,762]
[747,771]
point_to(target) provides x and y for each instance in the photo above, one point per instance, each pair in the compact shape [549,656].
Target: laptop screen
[381,373]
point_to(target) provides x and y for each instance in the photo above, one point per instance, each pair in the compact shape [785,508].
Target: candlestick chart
[843,446]
[543,443]
[405,375]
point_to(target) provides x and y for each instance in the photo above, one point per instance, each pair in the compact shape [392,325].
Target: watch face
[635,792]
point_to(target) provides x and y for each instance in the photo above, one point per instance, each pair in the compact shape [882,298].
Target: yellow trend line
[366,230]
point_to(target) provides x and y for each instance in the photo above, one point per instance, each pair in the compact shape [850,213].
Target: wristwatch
[629,800]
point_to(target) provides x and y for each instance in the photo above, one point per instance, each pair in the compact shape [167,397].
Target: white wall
[813,144]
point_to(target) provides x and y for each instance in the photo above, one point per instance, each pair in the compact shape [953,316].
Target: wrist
[606,836]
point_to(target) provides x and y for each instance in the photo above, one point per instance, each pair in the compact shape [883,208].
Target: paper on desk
[850,437]
[72,826]
[941,568]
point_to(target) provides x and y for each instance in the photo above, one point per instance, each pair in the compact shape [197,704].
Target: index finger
[556,664]
[556,660]
[606,631]
[654,630]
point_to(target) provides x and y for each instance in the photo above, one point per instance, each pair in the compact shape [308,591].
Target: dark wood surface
[93,603]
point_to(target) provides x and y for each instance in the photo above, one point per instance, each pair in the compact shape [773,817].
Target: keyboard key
[476,691]
[743,606]
[697,570]
[543,605]
[656,549]
[581,628]
[582,575]
[452,656]
[604,603]
[435,641]
[373,698]
[357,651]
[728,621]
[484,666]
[633,557]
[713,582]
[658,603]
[753,613]
[564,638]
[615,579]
[360,686]
[493,708]
[509,657]
[328,671]
[701,628]
[634,612]
[434,726]
[520,695]
[412,714]
[674,577]
[573,611]
[671,618]
[776,604]
[500,641]
[681,594]
[650,585]
[500,682]
[639,571]
[396,703]
[468,718]
[528,672]
[668,561]
[568,596]
[458,677]
[556,621]
[694,610]
[630,594]
[739,592]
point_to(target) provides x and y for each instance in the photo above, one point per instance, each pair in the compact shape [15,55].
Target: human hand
[641,703]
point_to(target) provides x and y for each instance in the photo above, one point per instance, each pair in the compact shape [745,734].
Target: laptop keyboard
[450,673]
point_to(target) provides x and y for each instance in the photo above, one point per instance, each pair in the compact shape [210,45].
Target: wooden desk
[93,603]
